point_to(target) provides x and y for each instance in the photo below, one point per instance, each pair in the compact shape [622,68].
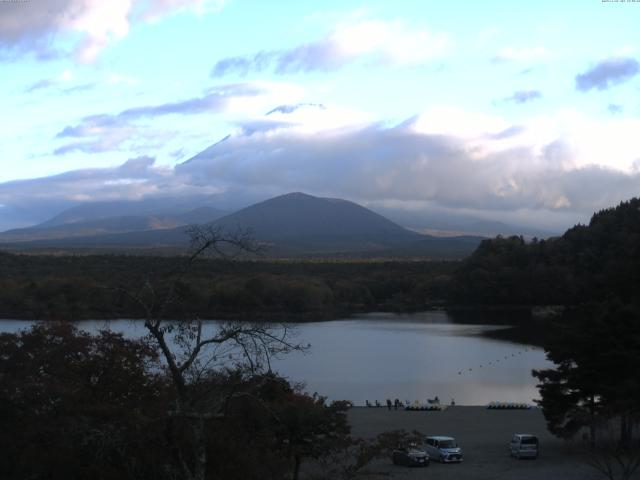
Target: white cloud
[158,8]
[25,26]
[366,41]
[459,122]
[449,156]
[577,141]
[269,94]
[525,54]
[118,79]
[108,131]
[391,42]
[555,167]
[99,23]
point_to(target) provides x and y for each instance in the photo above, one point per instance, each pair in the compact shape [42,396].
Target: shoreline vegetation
[74,288]
[515,282]
[86,287]
[577,295]
[70,287]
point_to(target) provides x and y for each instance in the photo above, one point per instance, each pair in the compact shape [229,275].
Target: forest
[593,273]
[88,287]
[593,262]
[65,393]
[181,402]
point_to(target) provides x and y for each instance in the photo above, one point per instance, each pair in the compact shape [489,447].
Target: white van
[443,449]
[524,445]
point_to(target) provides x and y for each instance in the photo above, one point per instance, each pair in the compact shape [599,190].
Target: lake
[410,357]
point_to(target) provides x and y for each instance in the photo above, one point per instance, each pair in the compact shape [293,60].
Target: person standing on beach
[389,404]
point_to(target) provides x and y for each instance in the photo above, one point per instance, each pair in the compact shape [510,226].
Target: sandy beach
[484,436]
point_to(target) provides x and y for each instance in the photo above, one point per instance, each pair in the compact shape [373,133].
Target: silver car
[410,456]
[524,445]
[443,449]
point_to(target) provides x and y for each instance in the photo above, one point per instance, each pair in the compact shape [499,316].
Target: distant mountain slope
[432,221]
[298,218]
[298,224]
[92,211]
[62,227]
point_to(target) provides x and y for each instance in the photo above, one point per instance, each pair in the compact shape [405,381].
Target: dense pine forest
[593,272]
[595,262]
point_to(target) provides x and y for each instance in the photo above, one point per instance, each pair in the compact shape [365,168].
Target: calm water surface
[410,357]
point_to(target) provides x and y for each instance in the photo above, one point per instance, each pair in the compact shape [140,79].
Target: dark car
[410,456]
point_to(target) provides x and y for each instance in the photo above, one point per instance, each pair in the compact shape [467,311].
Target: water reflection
[413,357]
[410,357]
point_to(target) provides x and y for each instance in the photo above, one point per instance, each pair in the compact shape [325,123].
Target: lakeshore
[379,356]
[484,437]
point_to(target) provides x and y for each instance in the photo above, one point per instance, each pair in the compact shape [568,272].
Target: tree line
[593,272]
[593,262]
[185,401]
[85,287]
[79,405]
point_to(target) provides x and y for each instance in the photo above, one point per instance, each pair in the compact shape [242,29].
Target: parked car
[524,445]
[443,449]
[411,456]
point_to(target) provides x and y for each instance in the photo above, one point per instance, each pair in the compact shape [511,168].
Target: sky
[525,112]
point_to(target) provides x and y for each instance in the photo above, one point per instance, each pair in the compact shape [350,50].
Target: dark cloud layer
[607,73]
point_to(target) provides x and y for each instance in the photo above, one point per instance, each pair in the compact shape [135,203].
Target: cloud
[527,54]
[159,8]
[107,132]
[524,96]
[556,169]
[369,41]
[63,83]
[35,200]
[607,73]
[96,133]
[41,85]
[216,100]
[33,27]
[614,108]
[66,83]
[446,157]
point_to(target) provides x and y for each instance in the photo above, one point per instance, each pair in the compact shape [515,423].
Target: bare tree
[616,463]
[193,351]
[350,457]
[617,456]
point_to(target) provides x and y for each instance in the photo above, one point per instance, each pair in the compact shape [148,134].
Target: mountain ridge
[294,224]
